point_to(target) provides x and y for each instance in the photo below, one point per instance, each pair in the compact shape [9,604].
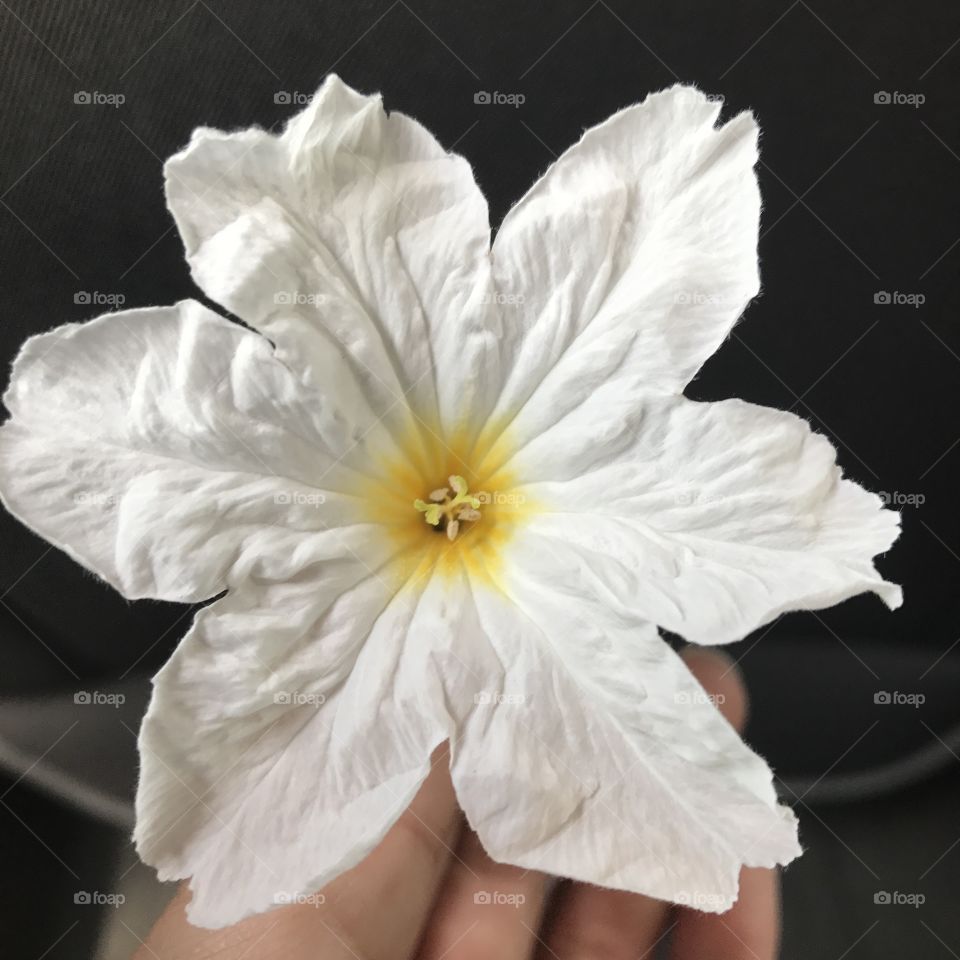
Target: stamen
[446,513]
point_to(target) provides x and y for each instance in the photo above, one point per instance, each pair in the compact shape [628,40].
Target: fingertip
[722,679]
[750,930]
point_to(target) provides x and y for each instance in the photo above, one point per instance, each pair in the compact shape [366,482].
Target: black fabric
[860,198]
[57,863]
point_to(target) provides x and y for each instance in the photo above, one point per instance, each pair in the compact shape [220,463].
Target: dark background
[860,198]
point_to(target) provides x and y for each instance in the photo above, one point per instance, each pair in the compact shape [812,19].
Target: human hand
[429,891]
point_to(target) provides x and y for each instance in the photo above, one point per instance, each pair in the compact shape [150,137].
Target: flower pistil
[446,513]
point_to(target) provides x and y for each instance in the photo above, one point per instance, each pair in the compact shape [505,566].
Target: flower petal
[356,227]
[602,759]
[171,453]
[709,519]
[291,729]
[630,260]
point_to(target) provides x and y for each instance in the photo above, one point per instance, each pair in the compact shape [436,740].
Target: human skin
[413,897]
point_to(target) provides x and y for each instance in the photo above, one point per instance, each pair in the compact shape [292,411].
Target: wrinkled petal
[709,519]
[171,453]
[603,760]
[291,729]
[629,260]
[251,798]
[354,227]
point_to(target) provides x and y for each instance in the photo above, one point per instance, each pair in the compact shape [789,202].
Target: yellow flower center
[426,491]
[445,512]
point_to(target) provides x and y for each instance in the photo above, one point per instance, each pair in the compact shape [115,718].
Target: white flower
[394,357]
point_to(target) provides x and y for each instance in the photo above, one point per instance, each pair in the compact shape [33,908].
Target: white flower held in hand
[403,380]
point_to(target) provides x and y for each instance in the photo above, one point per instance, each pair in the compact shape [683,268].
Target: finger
[749,931]
[587,921]
[485,909]
[377,910]
[720,677]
